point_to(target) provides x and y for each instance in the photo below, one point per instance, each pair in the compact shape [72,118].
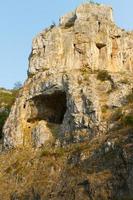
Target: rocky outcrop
[79,91]
[62,86]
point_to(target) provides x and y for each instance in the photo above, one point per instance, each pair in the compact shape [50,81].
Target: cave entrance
[49,107]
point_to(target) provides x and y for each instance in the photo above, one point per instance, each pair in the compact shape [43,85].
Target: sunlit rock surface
[78,97]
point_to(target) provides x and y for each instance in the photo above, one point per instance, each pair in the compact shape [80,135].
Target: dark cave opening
[49,107]
[100,45]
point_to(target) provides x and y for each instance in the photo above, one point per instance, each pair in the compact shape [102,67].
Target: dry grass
[44,168]
[21,169]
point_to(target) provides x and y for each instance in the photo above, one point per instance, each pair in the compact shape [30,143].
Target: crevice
[99,26]
[78,49]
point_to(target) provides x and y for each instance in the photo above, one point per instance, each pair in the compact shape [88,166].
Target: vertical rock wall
[66,59]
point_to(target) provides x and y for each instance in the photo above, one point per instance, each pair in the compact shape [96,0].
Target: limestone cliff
[79,91]
[62,87]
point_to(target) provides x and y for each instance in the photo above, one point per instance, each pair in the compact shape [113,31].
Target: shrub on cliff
[3,116]
[128,120]
[103,75]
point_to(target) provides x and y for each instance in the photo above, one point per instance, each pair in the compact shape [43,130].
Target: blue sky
[20,21]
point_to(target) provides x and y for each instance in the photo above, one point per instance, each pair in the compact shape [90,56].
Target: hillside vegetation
[7,98]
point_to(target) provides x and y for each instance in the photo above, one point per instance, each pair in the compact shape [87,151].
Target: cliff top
[87,11]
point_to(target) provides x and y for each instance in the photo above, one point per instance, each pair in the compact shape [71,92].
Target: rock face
[62,87]
[79,91]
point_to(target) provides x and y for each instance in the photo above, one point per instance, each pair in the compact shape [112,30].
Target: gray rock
[62,87]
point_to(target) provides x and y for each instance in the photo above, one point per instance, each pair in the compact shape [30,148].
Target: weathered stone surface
[62,87]
[77,107]
[40,134]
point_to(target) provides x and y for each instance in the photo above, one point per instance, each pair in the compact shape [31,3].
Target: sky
[20,21]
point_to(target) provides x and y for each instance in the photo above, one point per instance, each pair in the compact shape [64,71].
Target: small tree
[17,85]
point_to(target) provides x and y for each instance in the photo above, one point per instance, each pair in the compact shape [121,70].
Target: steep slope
[72,123]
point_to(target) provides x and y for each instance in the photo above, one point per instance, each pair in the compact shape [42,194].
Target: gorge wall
[62,89]
[75,112]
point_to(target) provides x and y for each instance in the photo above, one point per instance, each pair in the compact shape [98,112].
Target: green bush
[128,120]
[103,75]
[7,98]
[3,117]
